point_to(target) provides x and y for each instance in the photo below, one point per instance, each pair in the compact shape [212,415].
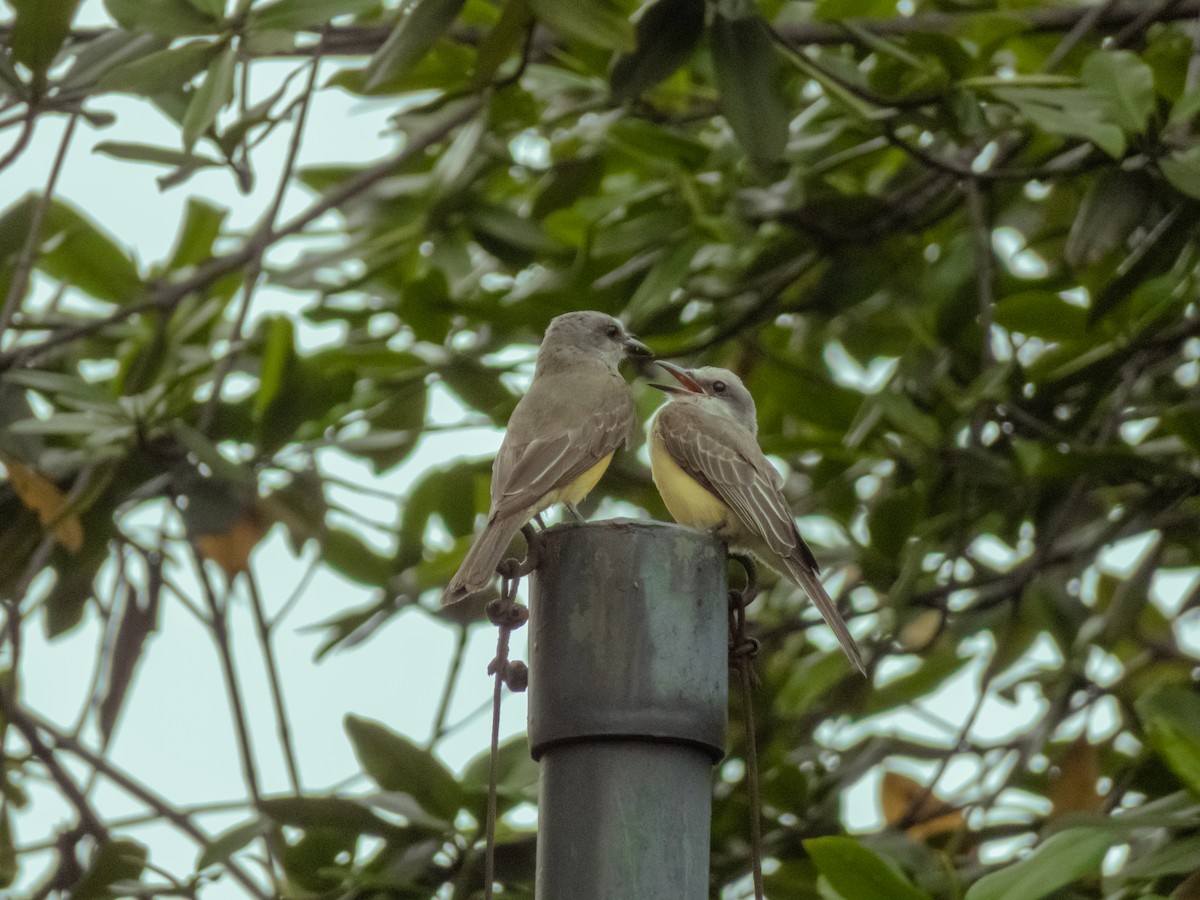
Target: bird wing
[565,425]
[725,459]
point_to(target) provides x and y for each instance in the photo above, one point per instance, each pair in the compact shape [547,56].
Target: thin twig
[984,268]
[267,648]
[752,775]
[255,266]
[162,809]
[1147,15]
[359,40]
[166,297]
[1192,81]
[439,719]
[219,627]
[20,277]
[297,592]
[489,861]
[1077,33]
[88,818]
[22,140]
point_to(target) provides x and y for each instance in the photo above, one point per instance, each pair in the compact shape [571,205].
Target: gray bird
[560,438]
[712,475]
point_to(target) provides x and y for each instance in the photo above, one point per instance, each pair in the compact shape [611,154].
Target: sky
[176,733]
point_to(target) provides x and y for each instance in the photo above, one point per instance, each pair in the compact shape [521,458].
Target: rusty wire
[507,615]
[742,650]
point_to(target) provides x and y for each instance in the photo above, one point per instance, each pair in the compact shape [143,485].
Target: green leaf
[667,33]
[1069,112]
[935,669]
[479,387]
[107,52]
[1182,169]
[300,15]
[661,282]
[855,872]
[222,847]
[1062,858]
[420,25]
[747,68]
[118,860]
[327,813]
[215,91]
[163,156]
[1042,314]
[39,30]
[396,764]
[279,352]
[1124,85]
[516,772]
[836,10]
[60,384]
[500,41]
[294,15]
[174,18]
[163,71]
[346,553]
[654,142]
[8,852]
[893,518]
[597,22]
[206,452]
[201,226]
[1171,716]
[1186,108]
[1175,857]
[10,79]
[76,251]
[1112,208]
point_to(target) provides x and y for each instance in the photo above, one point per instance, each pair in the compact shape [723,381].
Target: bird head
[595,335]
[719,388]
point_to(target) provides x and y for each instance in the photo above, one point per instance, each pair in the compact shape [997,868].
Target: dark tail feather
[481,560]
[808,580]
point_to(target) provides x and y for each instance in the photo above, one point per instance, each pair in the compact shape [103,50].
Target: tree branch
[143,794]
[20,277]
[165,297]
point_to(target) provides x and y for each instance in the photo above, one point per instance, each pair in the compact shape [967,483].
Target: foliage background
[950,245]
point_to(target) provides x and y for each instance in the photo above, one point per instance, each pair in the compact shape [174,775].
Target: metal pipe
[627,708]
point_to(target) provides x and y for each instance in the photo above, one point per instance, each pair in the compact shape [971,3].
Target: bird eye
[613,331]
[719,387]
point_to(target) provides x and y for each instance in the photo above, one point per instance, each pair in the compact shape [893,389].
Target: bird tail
[808,579]
[481,560]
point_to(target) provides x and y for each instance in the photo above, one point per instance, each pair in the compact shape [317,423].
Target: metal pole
[627,708]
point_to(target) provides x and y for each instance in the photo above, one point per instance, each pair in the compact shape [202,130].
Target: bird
[561,435]
[713,476]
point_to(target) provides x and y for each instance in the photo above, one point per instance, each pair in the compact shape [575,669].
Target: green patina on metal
[627,708]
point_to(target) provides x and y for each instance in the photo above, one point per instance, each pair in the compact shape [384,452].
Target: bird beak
[634,347]
[690,384]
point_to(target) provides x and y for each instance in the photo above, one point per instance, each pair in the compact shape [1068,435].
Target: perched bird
[711,473]
[560,438]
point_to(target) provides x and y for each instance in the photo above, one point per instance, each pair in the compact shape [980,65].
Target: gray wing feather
[725,458]
[558,431]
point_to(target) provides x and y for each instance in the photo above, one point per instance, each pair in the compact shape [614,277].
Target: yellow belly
[575,491]
[687,500]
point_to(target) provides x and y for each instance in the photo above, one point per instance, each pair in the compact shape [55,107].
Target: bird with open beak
[713,476]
